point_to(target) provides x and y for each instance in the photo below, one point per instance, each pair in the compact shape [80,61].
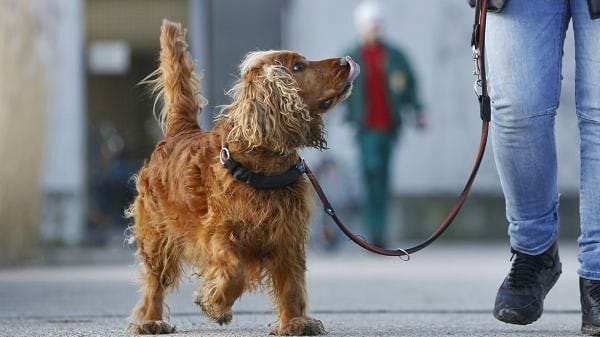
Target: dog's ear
[267,109]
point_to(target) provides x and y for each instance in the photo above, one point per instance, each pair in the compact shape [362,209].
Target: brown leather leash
[481,89]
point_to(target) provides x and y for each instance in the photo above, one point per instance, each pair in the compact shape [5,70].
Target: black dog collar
[259,180]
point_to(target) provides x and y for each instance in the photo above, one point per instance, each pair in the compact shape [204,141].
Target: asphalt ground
[446,290]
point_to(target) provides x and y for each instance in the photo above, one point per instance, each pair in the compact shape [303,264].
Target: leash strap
[478,44]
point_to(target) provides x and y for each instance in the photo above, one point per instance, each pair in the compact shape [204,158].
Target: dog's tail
[175,83]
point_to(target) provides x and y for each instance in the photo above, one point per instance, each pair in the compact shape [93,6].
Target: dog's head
[281,97]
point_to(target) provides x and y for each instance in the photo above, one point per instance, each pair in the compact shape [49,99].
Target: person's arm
[412,91]
[415,100]
[412,98]
[353,103]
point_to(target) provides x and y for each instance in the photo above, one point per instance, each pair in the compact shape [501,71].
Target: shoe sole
[590,330]
[512,316]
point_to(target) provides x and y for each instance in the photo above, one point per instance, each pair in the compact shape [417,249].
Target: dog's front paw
[151,328]
[224,318]
[300,326]
[217,315]
[212,310]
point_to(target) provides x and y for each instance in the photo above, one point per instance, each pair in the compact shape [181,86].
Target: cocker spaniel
[232,202]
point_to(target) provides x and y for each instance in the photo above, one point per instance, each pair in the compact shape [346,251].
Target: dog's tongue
[354,69]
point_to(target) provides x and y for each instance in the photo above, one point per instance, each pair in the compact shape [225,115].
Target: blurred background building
[74,124]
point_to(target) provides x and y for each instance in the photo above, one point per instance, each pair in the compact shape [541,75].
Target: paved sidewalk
[446,290]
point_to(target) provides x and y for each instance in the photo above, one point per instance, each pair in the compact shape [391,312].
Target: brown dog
[191,209]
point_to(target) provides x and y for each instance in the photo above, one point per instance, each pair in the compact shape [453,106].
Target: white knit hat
[367,14]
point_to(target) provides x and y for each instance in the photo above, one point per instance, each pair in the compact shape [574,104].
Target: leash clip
[300,166]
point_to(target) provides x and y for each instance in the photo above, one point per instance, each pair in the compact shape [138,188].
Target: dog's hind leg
[289,290]
[160,272]
[224,280]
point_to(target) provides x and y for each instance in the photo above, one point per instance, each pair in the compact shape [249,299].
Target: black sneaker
[590,306]
[520,299]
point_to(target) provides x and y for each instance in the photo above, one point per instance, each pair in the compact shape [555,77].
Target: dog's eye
[326,104]
[298,66]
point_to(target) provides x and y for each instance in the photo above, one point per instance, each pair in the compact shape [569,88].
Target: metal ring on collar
[224,155]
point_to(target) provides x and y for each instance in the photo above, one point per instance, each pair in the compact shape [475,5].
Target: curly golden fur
[191,210]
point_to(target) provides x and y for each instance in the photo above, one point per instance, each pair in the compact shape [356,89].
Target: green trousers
[375,150]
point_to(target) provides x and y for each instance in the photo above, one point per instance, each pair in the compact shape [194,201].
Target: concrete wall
[22,123]
[63,176]
[436,35]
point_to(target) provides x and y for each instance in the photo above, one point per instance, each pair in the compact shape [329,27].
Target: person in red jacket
[380,99]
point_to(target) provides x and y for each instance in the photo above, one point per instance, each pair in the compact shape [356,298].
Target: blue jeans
[524,53]
[375,152]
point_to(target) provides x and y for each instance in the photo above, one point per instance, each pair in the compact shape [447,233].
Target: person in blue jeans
[524,53]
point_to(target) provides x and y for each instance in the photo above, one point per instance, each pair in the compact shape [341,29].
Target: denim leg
[375,148]
[524,54]
[587,97]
